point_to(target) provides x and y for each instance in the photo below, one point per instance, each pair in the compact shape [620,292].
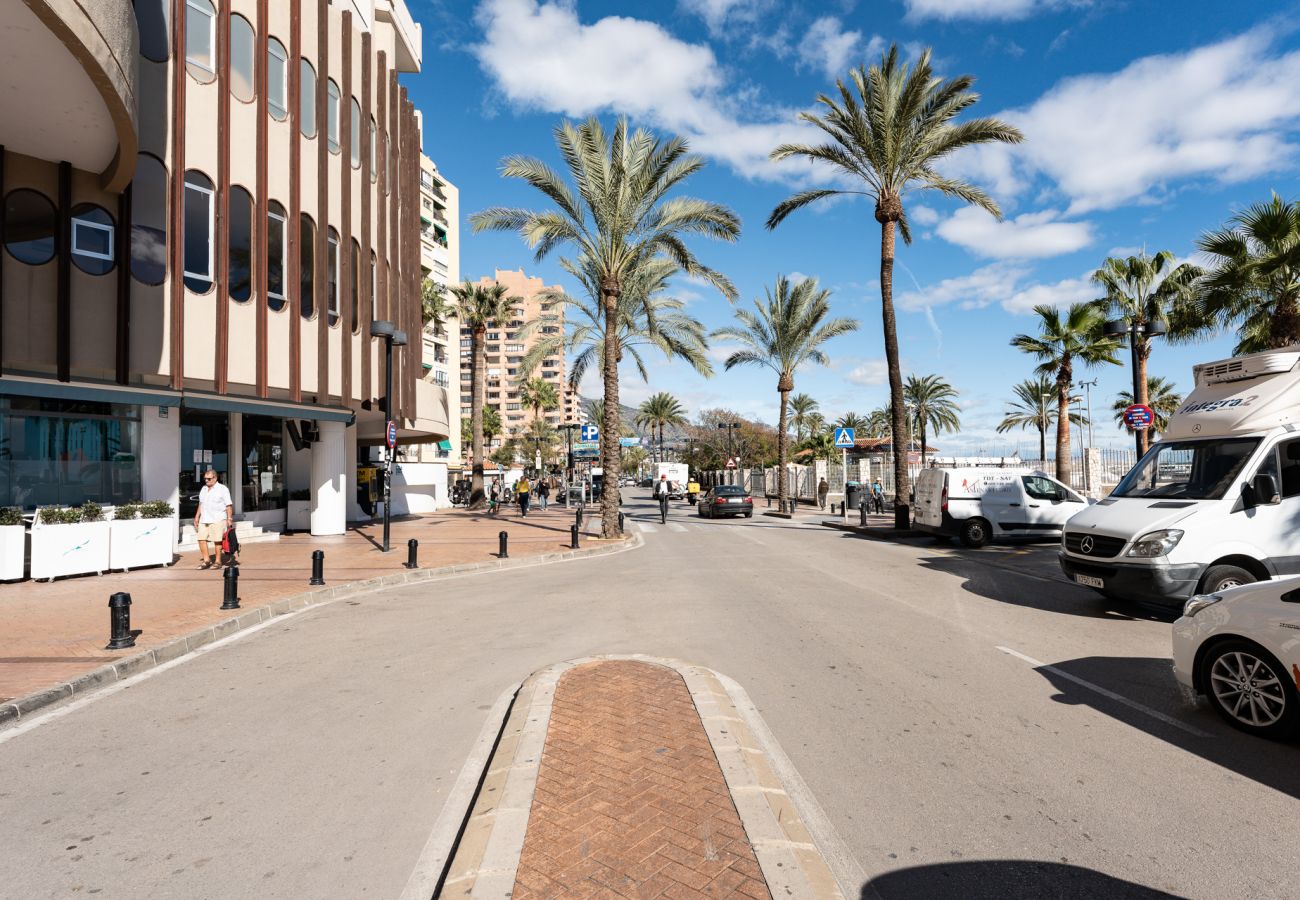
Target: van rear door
[930,494]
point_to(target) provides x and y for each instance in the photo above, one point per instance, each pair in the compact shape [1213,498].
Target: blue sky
[1146,124]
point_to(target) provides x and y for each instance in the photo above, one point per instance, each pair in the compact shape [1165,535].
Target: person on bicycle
[662,490]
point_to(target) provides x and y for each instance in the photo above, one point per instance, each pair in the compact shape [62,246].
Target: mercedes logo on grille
[1086,544]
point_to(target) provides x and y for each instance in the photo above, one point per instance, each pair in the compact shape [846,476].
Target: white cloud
[1061,294]
[1003,283]
[719,13]
[983,9]
[827,47]
[923,215]
[1029,236]
[868,373]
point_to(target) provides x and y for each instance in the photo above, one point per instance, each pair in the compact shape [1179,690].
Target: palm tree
[879,422]
[491,426]
[783,334]
[538,394]
[1163,399]
[1143,290]
[816,424]
[616,214]
[886,134]
[658,411]
[479,306]
[1255,285]
[1035,407]
[933,406]
[1061,343]
[854,421]
[821,446]
[801,407]
[433,304]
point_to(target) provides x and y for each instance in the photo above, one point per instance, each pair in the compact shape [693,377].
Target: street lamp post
[392,337]
[1134,331]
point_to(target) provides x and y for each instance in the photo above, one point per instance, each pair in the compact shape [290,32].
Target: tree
[1143,290]
[816,424]
[617,215]
[1255,283]
[933,404]
[538,394]
[801,407]
[879,422]
[821,446]
[1060,343]
[1163,399]
[752,443]
[886,134]
[491,426]
[1035,407]
[433,304]
[854,421]
[658,411]
[783,334]
[479,306]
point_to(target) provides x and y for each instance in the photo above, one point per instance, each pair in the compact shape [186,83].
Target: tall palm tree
[538,395]
[933,406]
[491,427]
[1143,290]
[886,132]
[801,407]
[783,334]
[854,421]
[1035,407]
[478,307]
[658,411]
[1255,283]
[1163,399]
[879,422]
[1059,344]
[821,446]
[618,217]
[816,424]
[433,304]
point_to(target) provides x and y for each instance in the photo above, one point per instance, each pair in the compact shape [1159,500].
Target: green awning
[444,445]
[87,390]
[280,408]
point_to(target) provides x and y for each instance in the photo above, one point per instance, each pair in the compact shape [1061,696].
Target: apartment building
[206,204]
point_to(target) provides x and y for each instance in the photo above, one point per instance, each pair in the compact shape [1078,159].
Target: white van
[979,504]
[1214,503]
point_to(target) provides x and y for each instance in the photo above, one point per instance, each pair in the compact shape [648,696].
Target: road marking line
[673,526]
[647,527]
[1118,698]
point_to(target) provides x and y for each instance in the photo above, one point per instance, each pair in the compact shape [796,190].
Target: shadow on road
[1004,879]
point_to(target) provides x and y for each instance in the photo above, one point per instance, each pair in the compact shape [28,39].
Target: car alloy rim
[1248,689]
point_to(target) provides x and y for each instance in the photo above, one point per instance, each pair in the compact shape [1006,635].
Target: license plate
[1089,581]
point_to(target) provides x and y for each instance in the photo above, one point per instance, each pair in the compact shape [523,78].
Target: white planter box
[69,549]
[13,548]
[139,542]
[299,515]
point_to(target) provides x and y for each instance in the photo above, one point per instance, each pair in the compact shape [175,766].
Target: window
[332,115]
[242,49]
[354,304]
[277,79]
[1040,488]
[307,269]
[514,348]
[30,227]
[514,406]
[198,232]
[241,244]
[153,20]
[388,165]
[200,28]
[356,134]
[1289,484]
[92,239]
[374,175]
[149,220]
[275,219]
[307,99]
[332,275]
[263,456]
[374,288]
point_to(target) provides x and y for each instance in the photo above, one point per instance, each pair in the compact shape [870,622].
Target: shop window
[200,38]
[241,244]
[93,239]
[153,21]
[332,115]
[307,99]
[30,227]
[307,267]
[332,275]
[277,79]
[354,302]
[374,174]
[198,231]
[263,459]
[356,134]
[149,220]
[275,219]
[242,51]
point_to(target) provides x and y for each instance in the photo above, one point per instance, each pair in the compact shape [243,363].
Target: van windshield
[1188,470]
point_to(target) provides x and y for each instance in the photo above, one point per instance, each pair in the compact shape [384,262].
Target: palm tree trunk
[1042,445]
[1144,397]
[611,428]
[781,450]
[1063,381]
[898,415]
[921,423]
[477,497]
[1284,325]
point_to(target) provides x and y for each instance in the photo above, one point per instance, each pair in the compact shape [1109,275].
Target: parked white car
[980,504]
[1240,648]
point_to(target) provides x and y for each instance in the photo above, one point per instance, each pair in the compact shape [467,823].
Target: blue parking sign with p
[844,437]
[590,432]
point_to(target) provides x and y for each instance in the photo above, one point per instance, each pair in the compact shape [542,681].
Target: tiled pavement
[57,631]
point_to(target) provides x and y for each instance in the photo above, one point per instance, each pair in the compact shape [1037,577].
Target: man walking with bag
[216,513]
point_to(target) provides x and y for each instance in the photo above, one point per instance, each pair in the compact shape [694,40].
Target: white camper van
[1214,503]
[979,504]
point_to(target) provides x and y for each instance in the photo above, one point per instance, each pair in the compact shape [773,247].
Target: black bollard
[573,536]
[577,517]
[231,579]
[317,567]
[412,548]
[120,634]
[620,523]
[502,537]
[862,515]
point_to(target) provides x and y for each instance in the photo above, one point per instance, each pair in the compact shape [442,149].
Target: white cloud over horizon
[829,48]
[1005,10]
[1028,236]
[1003,283]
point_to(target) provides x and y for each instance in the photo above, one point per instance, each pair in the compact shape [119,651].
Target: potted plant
[69,541]
[299,515]
[13,543]
[140,535]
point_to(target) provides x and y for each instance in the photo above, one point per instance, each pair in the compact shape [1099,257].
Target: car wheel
[975,532]
[749,515]
[1249,688]
[1220,578]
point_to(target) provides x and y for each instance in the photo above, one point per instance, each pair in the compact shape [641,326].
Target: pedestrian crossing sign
[844,437]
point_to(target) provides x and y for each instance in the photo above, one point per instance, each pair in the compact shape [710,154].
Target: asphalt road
[972,725]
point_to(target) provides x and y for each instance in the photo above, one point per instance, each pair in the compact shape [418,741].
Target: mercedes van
[1214,503]
[979,504]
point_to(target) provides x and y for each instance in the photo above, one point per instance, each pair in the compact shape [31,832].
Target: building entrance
[205,443]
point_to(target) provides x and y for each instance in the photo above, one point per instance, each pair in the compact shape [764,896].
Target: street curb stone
[879,534]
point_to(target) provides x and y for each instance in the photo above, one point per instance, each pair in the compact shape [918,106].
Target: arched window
[307,99]
[241,244]
[149,220]
[277,79]
[94,241]
[332,274]
[354,302]
[200,39]
[307,268]
[199,197]
[242,50]
[374,173]
[30,227]
[356,134]
[332,115]
[275,221]
[153,20]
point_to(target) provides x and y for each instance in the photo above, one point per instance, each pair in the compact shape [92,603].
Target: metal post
[502,538]
[317,567]
[388,451]
[1133,332]
[231,579]
[620,523]
[577,517]
[120,634]
[573,536]
[412,548]
[862,514]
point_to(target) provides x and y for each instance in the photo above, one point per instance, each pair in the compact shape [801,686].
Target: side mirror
[1264,490]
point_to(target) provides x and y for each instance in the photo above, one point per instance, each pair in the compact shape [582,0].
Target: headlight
[1200,602]
[1156,543]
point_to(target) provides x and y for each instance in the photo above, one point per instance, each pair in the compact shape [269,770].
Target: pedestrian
[494,496]
[543,493]
[878,495]
[215,514]
[822,490]
[523,490]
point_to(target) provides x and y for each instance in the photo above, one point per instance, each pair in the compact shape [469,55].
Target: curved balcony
[69,86]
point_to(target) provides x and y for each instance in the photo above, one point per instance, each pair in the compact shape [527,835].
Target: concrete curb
[17,710]
[873,532]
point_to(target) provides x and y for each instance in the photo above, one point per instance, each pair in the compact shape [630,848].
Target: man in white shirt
[215,514]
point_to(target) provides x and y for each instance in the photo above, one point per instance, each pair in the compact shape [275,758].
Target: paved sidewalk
[57,631]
